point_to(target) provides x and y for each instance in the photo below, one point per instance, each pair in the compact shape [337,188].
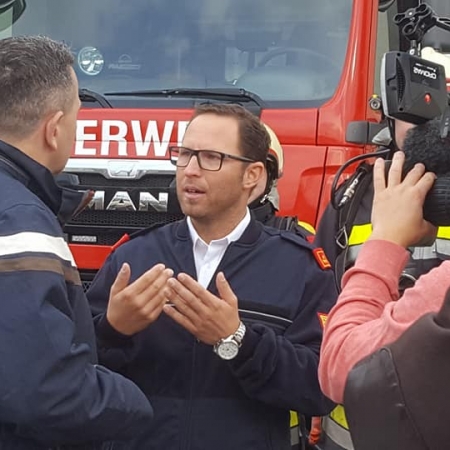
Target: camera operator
[369,314]
[382,295]
[396,379]
[343,231]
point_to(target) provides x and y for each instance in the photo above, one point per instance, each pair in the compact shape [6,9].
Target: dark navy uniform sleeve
[282,370]
[51,389]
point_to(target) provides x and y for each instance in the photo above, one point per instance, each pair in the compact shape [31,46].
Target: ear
[253,173]
[53,129]
[260,187]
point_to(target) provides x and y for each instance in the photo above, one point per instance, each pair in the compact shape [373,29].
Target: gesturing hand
[207,317]
[397,211]
[133,307]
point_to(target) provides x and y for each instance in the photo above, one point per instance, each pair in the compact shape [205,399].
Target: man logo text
[122,201]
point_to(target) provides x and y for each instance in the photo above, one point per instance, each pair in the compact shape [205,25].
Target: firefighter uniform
[213,389]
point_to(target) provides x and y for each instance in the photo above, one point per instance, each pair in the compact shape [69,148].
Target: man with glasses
[207,159]
[217,318]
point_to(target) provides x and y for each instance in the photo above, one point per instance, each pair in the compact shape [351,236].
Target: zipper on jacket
[185,442]
[270,318]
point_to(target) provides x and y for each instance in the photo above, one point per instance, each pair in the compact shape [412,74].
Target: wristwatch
[228,348]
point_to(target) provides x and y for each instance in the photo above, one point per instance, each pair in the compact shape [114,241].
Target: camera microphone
[424,144]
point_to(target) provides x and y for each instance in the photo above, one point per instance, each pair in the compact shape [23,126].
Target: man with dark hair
[229,343]
[53,395]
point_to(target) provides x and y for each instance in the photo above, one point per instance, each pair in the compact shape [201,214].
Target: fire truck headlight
[90,61]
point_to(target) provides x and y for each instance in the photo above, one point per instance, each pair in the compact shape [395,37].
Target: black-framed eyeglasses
[207,159]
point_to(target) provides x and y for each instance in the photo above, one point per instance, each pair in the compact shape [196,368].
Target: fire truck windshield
[284,51]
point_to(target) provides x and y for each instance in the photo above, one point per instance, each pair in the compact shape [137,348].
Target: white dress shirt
[207,257]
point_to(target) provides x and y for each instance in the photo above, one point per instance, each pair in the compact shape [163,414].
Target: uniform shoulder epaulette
[304,230]
[291,223]
[317,252]
[128,237]
[297,237]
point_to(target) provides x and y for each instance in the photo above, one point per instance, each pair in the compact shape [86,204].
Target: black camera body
[412,89]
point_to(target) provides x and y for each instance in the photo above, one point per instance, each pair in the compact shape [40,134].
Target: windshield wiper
[225,94]
[91,96]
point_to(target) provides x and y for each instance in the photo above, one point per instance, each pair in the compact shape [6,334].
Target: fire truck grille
[107,226]
[98,181]
[118,219]
[86,279]
[108,238]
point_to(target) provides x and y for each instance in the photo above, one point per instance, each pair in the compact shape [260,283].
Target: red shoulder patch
[321,258]
[322,319]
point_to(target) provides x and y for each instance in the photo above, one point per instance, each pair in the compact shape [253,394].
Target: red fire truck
[307,68]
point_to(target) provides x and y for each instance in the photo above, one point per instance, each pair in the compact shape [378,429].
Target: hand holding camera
[397,211]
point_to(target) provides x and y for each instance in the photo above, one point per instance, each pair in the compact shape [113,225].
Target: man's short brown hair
[254,140]
[35,80]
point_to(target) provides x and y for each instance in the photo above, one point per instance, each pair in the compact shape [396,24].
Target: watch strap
[240,333]
[237,336]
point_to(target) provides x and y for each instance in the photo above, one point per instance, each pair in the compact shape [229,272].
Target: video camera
[414,90]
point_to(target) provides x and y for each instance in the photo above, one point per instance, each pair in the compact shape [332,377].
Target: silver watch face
[227,349]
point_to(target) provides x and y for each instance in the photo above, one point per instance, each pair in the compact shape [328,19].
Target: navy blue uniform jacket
[200,401]
[52,393]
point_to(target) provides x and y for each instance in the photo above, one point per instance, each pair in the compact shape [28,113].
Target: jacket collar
[250,235]
[264,212]
[63,202]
